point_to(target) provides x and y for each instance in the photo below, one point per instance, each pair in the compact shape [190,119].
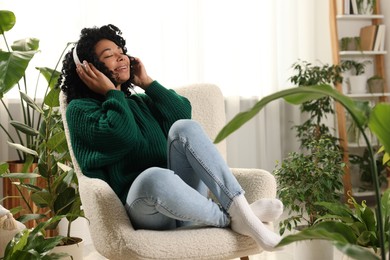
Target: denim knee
[185,127]
[148,181]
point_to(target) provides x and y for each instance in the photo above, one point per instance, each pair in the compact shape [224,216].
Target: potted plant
[51,189]
[376,84]
[350,44]
[306,177]
[356,226]
[378,122]
[32,244]
[363,164]
[366,7]
[357,81]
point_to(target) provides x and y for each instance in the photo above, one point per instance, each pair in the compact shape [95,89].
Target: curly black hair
[69,81]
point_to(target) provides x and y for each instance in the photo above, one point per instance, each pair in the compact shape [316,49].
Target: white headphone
[75,57]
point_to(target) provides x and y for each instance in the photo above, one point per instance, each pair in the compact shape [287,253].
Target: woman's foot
[245,222]
[267,210]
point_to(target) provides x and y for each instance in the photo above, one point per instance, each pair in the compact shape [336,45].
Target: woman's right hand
[94,79]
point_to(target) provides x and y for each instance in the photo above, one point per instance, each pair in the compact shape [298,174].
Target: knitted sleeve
[167,105]
[102,132]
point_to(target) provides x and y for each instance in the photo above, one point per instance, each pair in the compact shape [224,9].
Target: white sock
[245,222]
[267,210]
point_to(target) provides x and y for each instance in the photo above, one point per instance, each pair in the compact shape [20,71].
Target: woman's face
[114,59]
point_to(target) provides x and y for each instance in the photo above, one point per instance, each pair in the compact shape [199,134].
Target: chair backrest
[208,108]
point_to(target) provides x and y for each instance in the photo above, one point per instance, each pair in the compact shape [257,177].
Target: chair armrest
[257,183]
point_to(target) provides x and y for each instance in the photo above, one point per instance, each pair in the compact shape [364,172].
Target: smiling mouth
[121,68]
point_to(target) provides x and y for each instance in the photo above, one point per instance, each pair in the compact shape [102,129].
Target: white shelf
[368,95]
[358,53]
[359,16]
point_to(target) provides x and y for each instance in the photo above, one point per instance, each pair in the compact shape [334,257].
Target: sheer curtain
[246,47]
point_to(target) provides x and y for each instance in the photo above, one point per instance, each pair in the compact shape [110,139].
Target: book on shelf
[367,37]
[380,38]
[354,7]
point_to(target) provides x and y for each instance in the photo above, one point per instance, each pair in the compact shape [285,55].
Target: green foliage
[357,68]
[349,228]
[363,163]
[304,179]
[44,139]
[31,244]
[315,173]
[378,121]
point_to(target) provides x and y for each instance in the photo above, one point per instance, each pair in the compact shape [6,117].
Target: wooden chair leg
[244,258]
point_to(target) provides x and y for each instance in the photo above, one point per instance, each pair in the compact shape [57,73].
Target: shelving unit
[349,25]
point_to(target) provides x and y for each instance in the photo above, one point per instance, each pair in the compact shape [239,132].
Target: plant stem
[374,172]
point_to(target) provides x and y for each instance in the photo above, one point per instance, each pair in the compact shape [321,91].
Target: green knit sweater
[115,140]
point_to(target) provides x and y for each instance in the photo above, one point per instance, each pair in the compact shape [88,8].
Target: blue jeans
[162,199]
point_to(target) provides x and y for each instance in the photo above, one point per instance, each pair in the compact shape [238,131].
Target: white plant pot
[313,249]
[358,84]
[74,251]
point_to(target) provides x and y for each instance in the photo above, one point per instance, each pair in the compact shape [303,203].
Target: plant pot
[74,251]
[376,85]
[358,84]
[313,249]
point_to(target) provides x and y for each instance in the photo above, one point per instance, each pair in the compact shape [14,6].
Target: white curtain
[246,47]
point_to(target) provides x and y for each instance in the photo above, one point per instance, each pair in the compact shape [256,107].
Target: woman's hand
[94,79]
[141,78]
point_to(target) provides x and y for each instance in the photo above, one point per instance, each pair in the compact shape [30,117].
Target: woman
[158,161]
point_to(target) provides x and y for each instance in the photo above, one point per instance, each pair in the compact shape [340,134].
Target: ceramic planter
[358,84]
[75,251]
[376,85]
[313,249]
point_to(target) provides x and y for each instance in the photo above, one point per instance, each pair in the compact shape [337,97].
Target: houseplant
[32,244]
[13,65]
[357,81]
[306,177]
[44,142]
[376,84]
[378,122]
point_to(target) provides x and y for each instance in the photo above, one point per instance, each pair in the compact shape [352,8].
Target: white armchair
[115,238]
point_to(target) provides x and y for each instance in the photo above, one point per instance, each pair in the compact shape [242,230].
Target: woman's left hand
[141,77]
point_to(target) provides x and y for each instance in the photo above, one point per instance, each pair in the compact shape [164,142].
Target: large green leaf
[27,44]
[379,124]
[52,98]
[327,230]
[28,130]
[296,95]
[23,149]
[50,75]
[357,252]
[7,21]
[12,68]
